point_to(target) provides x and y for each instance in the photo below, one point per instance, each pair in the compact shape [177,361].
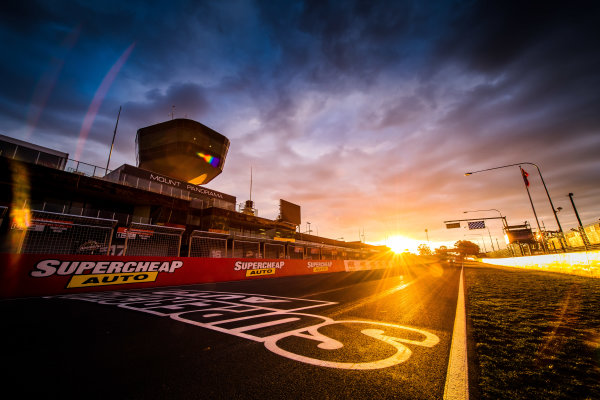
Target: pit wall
[27,275]
[585,263]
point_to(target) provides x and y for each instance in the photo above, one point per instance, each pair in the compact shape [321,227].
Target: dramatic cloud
[367,113]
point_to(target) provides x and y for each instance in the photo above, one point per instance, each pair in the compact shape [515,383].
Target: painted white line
[306,326]
[264,325]
[457,377]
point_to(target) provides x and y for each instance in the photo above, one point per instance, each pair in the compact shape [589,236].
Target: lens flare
[45,85]
[20,214]
[20,217]
[98,98]
[213,161]
[401,244]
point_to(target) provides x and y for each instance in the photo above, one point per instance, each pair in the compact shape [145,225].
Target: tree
[466,248]
[441,251]
[424,250]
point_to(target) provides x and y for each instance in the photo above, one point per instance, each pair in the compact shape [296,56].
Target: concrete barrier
[25,275]
[28,275]
[585,263]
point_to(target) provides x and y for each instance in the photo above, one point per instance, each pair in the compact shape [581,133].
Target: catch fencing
[208,244]
[52,233]
[582,238]
[312,253]
[220,245]
[274,249]
[295,251]
[328,253]
[44,232]
[245,247]
[152,240]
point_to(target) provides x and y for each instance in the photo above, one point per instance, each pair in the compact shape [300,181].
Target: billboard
[520,235]
[55,274]
[289,212]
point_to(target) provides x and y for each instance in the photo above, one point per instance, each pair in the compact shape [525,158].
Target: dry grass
[536,335]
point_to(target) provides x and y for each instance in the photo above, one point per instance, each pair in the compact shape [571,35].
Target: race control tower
[183,149]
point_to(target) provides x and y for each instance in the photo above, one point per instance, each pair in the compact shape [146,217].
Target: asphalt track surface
[359,335]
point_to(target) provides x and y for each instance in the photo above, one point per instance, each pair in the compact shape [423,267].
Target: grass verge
[536,335]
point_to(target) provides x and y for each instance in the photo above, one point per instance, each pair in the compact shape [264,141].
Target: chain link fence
[152,240]
[207,244]
[245,247]
[47,232]
[295,251]
[312,253]
[52,233]
[341,254]
[274,249]
[327,253]
[577,239]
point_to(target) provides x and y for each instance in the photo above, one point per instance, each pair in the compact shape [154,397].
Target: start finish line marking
[270,320]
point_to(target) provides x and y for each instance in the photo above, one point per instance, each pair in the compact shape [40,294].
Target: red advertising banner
[24,275]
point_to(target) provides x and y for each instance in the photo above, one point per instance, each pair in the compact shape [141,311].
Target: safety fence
[245,247]
[582,238]
[44,232]
[152,240]
[208,245]
[295,251]
[219,245]
[50,233]
[274,249]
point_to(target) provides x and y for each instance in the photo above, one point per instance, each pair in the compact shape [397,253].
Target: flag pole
[526,182]
[113,140]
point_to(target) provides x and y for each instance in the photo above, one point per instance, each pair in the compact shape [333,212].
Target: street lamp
[543,183]
[488,229]
[491,209]
[581,229]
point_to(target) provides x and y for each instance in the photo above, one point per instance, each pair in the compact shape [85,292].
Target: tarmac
[331,336]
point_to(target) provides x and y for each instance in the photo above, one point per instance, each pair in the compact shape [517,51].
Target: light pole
[482,240]
[491,209]
[113,141]
[581,230]
[543,183]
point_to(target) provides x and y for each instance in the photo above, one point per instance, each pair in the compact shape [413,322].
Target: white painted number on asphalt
[272,321]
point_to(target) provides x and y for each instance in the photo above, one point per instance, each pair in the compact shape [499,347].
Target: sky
[365,113]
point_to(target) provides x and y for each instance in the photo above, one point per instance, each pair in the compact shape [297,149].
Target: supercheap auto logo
[100,273]
[319,266]
[258,268]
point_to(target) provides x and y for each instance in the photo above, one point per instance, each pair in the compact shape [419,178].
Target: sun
[400,244]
